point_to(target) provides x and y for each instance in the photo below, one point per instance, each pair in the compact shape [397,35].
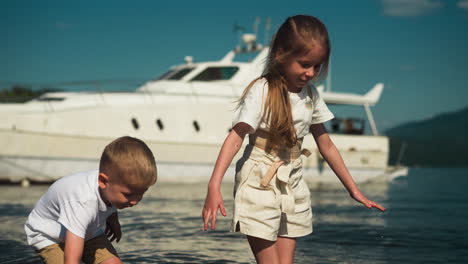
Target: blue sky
[417,48]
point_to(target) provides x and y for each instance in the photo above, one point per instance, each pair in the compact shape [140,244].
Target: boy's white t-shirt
[305,110]
[71,203]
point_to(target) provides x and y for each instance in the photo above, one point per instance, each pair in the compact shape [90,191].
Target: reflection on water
[425,222]
[429,217]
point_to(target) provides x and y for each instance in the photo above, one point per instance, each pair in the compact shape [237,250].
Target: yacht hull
[43,157]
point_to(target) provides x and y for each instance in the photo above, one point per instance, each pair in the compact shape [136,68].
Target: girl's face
[300,69]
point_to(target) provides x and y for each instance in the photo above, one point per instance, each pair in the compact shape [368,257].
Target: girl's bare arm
[214,199]
[333,157]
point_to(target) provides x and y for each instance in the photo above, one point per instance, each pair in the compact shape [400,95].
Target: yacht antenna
[255,26]
[267,31]
[239,30]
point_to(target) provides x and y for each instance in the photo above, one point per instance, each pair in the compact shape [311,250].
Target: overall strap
[260,138]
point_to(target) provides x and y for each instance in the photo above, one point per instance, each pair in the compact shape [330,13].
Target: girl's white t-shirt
[305,110]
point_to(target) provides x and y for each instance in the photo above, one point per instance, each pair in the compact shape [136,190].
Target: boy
[66,225]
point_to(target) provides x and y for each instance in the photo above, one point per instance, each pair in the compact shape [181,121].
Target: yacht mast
[329,76]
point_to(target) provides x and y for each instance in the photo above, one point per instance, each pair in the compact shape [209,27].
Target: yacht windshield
[216,74]
[165,75]
[175,74]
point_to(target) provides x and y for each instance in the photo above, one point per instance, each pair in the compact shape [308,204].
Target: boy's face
[118,194]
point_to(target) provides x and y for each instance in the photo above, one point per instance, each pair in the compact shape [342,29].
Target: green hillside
[437,142]
[21,94]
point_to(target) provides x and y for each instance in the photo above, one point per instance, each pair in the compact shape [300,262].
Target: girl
[272,201]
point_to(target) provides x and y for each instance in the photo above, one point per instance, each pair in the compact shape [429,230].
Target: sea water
[426,222]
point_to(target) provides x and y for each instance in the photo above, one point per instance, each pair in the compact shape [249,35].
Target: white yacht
[183,116]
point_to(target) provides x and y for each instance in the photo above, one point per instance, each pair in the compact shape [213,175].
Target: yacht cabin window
[216,74]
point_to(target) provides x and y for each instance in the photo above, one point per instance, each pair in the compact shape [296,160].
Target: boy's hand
[113,231]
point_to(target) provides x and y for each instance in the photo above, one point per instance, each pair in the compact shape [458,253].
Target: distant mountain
[437,142]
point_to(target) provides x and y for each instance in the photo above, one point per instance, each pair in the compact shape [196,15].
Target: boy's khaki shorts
[282,208]
[95,251]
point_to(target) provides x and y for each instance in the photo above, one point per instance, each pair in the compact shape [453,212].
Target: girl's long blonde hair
[296,36]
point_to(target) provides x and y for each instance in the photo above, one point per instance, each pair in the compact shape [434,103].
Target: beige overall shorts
[271,198]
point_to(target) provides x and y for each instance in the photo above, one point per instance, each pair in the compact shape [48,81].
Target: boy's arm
[333,157]
[73,248]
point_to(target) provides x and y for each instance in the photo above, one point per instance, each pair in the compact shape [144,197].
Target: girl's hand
[358,196]
[113,231]
[213,201]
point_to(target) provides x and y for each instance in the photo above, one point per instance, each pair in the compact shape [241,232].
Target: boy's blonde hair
[296,36]
[129,161]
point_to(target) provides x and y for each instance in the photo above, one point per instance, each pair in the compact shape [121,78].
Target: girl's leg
[275,252]
[265,251]
[286,247]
